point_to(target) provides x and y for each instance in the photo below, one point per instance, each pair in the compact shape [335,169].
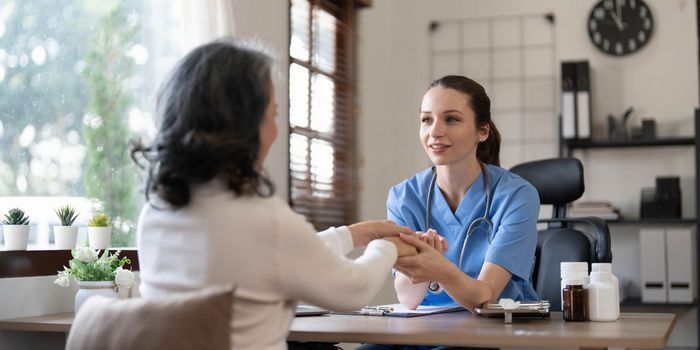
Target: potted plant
[96,275]
[99,231]
[15,226]
[65,235]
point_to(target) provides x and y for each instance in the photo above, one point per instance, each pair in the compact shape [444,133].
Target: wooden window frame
[341,208]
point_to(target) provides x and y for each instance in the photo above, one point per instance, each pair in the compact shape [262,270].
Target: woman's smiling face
[448,129]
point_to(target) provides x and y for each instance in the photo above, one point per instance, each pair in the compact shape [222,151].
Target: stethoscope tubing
[434,287]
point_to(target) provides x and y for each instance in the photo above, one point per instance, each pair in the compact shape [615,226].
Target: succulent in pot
[65,235]
[99,231]
[15,227]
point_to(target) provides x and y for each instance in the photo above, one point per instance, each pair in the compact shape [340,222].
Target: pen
[369,312]
[377,310]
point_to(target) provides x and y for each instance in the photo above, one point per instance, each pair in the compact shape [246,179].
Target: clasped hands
[407,242]
[420,253]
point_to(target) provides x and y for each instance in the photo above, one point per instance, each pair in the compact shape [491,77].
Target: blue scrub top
[514,210]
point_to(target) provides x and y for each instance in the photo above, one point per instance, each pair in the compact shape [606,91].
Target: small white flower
[85,254]
[62,281]
[124,278]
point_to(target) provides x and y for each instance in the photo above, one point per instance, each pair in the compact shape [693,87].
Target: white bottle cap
[573,270]
[574,266]
[573,282]
[600,276]
[607,267]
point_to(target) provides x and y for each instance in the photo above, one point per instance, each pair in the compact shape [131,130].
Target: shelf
[684,221]
[638,302]
[676,141]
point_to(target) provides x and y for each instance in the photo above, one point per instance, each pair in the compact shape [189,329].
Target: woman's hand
[365,231]
[433,239]
[403,248]
[428,265]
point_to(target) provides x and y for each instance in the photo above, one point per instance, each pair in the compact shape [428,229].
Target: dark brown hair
[488,151]
[210,110]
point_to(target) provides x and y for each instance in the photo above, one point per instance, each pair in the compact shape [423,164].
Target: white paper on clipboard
[398,310]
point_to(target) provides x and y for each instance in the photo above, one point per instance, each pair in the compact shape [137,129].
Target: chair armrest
[601,233]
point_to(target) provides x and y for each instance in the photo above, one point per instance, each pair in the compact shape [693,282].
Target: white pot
[87,289]
[16,236]
[99,237]
[65,236]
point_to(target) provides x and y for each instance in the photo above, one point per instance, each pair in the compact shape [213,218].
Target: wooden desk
[636,330]
[633,330]
[59,323]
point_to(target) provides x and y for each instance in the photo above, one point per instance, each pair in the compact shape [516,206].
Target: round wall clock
[620,27]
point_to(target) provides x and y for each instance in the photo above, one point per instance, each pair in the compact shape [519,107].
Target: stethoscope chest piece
[434,287]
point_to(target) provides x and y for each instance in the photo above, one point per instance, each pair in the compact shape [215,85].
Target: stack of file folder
[576,100]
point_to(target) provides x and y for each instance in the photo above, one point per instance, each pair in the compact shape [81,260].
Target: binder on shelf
[583,100]
[568,105]
[652,249]
[680,270]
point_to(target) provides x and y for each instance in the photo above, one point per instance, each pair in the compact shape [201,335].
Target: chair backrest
[193,320]
[559,181]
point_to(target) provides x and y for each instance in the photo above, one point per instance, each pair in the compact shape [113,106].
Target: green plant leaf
[16,216]
[66,214]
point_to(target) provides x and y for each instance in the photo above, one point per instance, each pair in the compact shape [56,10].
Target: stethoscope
[434,287]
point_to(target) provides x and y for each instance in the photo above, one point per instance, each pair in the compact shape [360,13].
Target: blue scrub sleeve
[514,243]
[392,208]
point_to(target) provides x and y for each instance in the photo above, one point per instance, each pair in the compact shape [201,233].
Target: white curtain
[205,20]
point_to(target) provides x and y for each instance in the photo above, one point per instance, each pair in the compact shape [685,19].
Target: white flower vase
[87,289]
[123,293]
[99,237]
[65,236]
[16,236]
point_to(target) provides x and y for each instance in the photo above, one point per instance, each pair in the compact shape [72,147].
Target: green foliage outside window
[110,175]
[77,81]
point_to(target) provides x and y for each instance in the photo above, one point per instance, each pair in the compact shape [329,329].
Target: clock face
[620,27]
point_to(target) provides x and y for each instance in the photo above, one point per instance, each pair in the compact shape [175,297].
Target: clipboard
[398,310]
[309,310]
[538,308]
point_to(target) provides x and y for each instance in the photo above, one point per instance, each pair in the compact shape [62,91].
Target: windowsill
[46,262]
[51,246]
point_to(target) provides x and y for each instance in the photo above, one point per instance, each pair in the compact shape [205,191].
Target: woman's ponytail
[488,151]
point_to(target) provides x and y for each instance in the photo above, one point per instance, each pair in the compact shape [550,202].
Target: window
[321,118]
[77,82]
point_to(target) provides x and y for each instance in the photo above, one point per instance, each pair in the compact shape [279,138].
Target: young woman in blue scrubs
[461,140]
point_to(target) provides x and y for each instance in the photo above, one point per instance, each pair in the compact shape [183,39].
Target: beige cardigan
[270,253]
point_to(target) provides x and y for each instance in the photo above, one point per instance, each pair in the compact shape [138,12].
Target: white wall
[268,21]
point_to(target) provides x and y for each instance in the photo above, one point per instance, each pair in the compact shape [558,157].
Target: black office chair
[559,181]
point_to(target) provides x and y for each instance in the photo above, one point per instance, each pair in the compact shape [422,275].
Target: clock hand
[618,21]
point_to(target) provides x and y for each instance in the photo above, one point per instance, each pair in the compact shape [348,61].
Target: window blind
[321,120]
